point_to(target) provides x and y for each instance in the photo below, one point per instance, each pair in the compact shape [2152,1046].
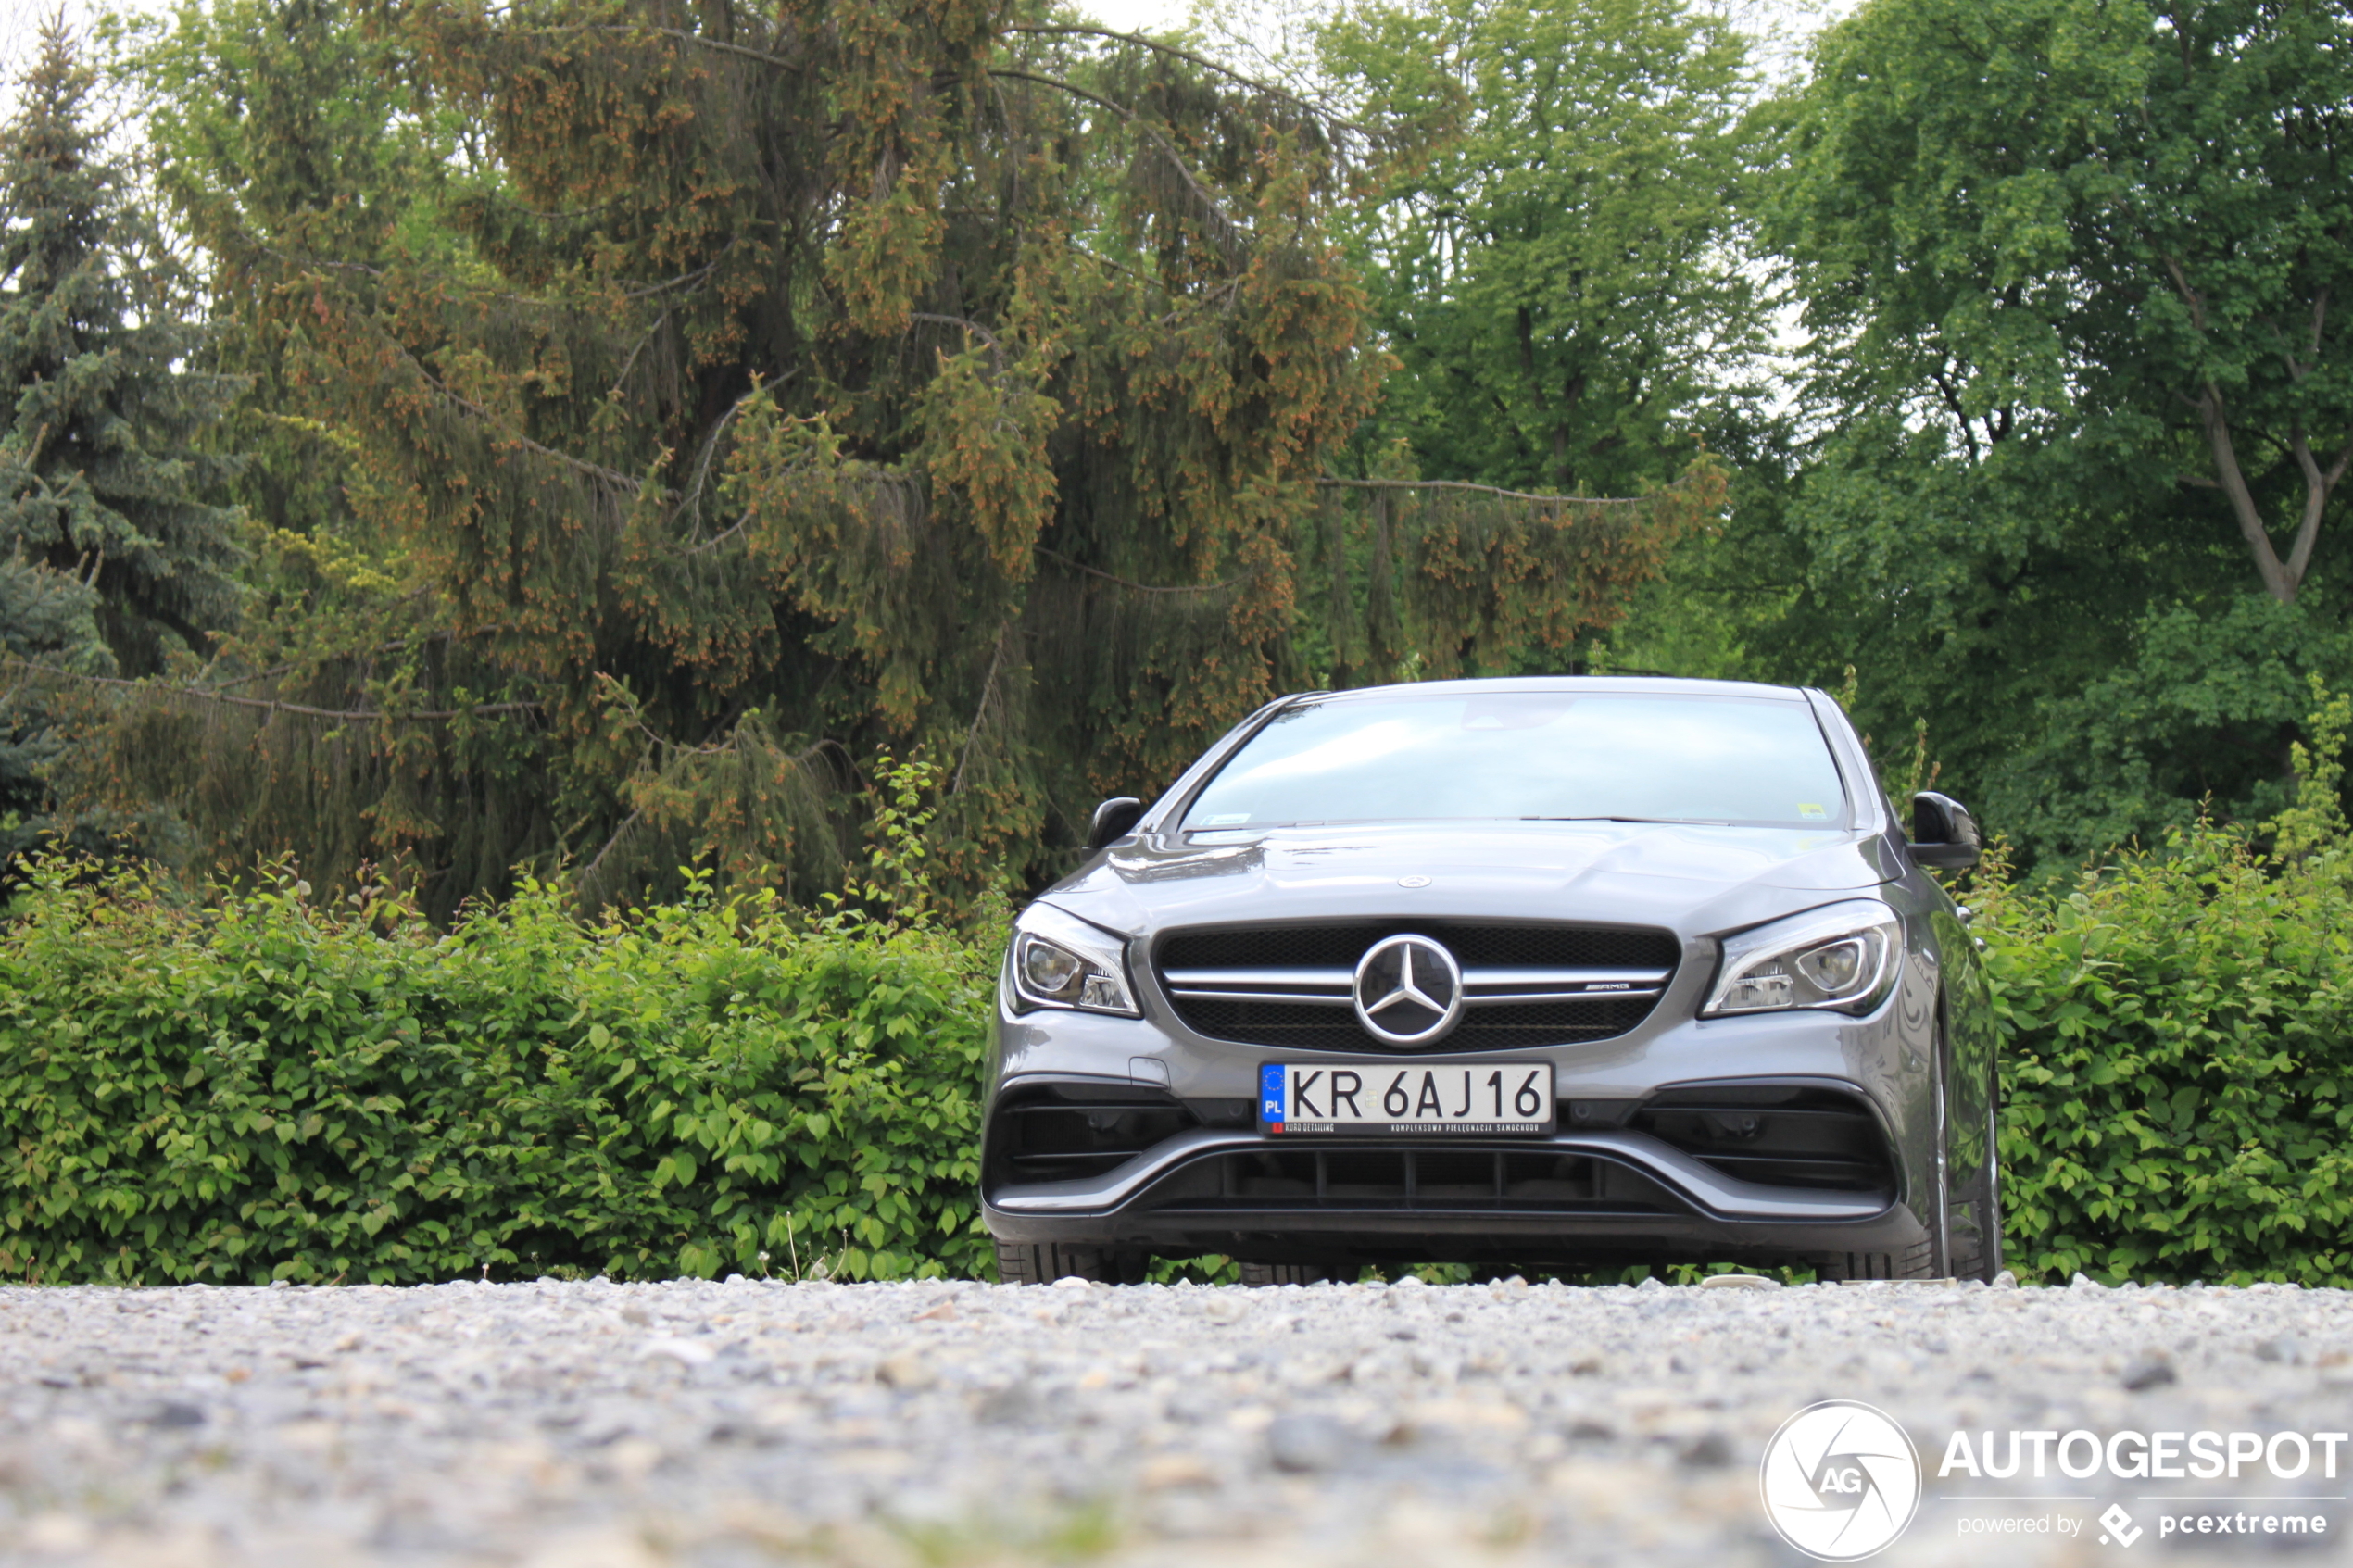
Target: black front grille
[1482,1029]
[1473,946]
[1486,1180]
[1796,1135]
[1491,1026]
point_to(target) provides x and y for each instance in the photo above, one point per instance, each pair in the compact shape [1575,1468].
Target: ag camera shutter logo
[1841,1481]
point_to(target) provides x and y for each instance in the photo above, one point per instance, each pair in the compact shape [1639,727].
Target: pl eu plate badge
[1270,1095]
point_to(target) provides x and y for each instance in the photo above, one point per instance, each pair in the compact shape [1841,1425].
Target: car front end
[1571,1043]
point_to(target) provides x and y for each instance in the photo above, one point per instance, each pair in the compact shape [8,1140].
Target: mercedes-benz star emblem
[1408,990]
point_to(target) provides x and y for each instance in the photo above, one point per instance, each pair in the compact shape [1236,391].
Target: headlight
[1061,961]
[1842,957]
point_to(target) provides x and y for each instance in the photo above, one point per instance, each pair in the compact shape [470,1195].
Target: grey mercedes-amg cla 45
[1560,974]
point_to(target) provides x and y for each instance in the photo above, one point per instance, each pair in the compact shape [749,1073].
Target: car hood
[1696,879]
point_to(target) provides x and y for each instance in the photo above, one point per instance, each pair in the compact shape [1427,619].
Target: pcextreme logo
[1841,1481]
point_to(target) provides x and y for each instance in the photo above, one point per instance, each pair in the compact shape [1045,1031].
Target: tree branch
[631,363]
[2190,296]
[1482,489]
[980,712]
[683,278]
[680,35]
[2317,487]
[1061,559]
[611,476]
[1142,41]
[1126,114]
[1953,401]
[996,349]
[302,709]
[693,498]
[1134,121]
[589,869]
[2276,580]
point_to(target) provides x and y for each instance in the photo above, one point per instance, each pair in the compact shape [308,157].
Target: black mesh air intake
[1775,1134]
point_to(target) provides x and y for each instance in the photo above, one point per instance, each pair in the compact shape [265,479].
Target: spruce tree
[48,624]
[792,383]
[101,476]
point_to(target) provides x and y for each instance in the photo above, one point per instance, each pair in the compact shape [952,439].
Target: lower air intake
[1775,1134]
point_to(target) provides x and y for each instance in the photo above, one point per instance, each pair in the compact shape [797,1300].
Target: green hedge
[2177,1065]
[268,1090]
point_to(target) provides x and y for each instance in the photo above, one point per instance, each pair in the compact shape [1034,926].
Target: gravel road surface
[594,1425]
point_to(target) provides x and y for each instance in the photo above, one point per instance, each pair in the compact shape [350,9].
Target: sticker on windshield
[1811,813]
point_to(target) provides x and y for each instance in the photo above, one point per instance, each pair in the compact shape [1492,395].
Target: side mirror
[1943,834]
[1112,819]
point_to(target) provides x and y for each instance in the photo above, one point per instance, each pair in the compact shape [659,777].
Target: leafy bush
[272,1089]
[268,1089]
[2178,1064]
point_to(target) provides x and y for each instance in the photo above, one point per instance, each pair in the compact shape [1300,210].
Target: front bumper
[1603,1188]
[1615,1183]
[1588,1197]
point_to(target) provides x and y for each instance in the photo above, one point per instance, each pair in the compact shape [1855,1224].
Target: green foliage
[111,555]
[1554,263]
[2080,395]
[2317,820]
[2177,1066]
[658,414]
[1435,580]
[2196,715]
[284,1088]
[659,410]
[47,617]
[653,413]
[101,475]
[2053,224]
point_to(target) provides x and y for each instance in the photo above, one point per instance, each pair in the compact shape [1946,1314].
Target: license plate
[1512,1096]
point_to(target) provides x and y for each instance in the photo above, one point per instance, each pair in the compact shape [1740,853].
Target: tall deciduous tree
[1561,271]
[2069,220]
[2081,402]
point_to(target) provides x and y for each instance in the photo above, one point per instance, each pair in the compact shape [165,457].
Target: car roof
[1668,685]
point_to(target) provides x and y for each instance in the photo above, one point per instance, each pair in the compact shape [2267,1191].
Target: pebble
[2152,1369]
[694,1425]
[1307,1443]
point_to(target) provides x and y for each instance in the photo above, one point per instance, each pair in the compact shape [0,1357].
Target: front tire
[1916,1262]
[1044,1262]
[1983,1197]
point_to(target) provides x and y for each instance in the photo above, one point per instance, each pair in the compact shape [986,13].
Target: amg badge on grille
[1408,990]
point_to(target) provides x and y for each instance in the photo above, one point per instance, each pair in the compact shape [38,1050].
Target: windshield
[1551,755]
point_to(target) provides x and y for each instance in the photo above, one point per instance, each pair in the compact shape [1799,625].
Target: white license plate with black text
[1387,1097]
